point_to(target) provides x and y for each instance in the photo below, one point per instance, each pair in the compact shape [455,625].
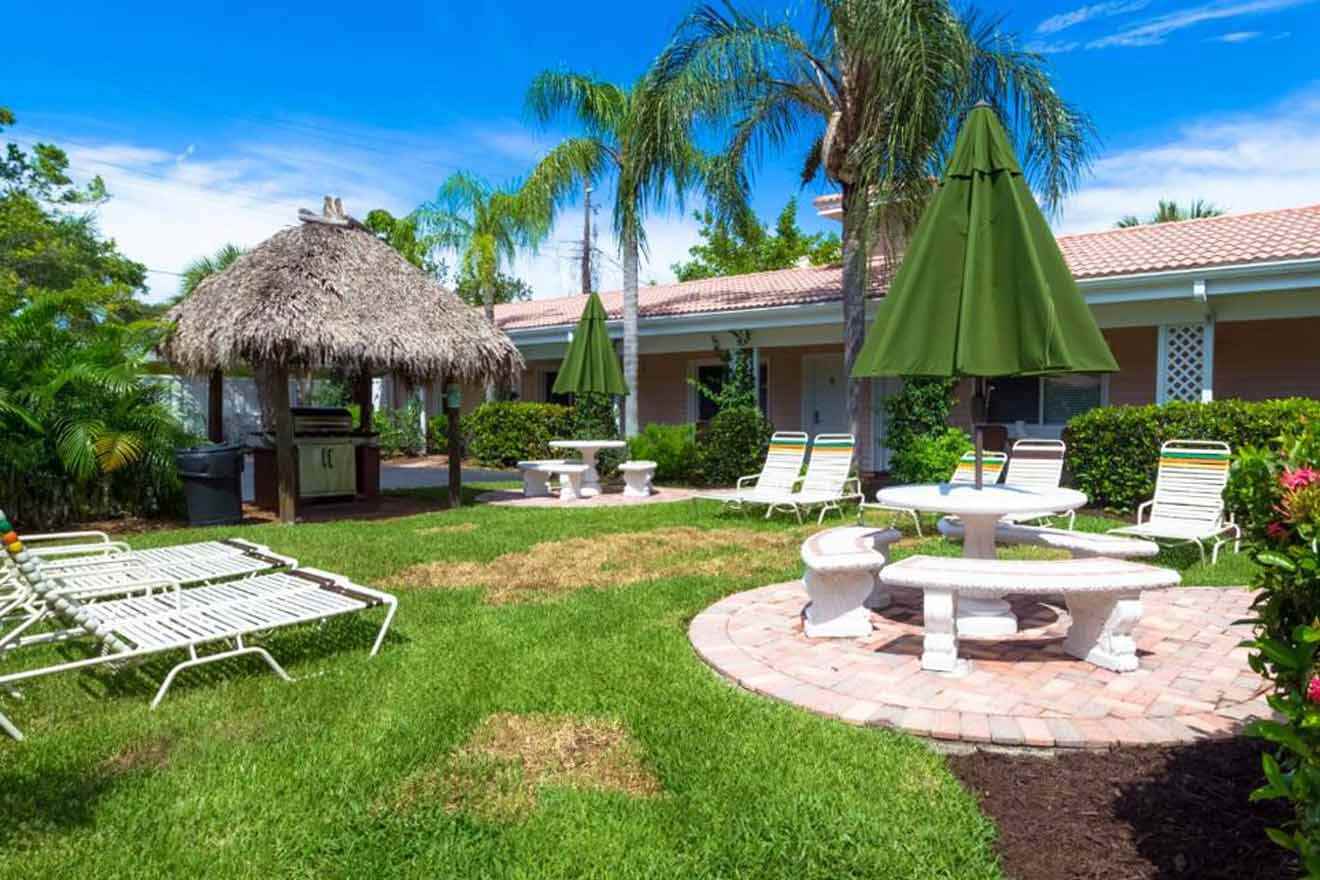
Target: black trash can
[212,484]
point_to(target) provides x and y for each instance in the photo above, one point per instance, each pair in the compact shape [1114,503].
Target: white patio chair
[1037,465]
[140,626]
[992,466]
[827,483]
[1188,507]
[778,476]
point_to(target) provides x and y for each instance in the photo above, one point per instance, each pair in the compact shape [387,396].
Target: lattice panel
[1184,361]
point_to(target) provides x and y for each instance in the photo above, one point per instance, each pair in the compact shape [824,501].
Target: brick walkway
[612,497]
[1022,691]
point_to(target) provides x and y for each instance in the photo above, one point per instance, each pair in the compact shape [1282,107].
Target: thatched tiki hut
[328,294]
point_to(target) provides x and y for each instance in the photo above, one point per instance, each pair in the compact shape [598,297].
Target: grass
[568,733]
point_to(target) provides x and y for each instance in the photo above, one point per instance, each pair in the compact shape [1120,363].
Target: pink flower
[1299,478]
[1313,690]
[1277,530]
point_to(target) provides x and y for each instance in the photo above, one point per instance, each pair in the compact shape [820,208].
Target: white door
[825,399]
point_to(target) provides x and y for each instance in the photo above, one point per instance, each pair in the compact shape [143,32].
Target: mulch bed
[1130,814]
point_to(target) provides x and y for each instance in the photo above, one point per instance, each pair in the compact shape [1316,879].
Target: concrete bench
[840,578]
[1081,545]
[1103,596]
[637,476]
[536,475]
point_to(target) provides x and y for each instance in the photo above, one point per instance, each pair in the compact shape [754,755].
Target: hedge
[503,433]
[733,445]
[1113,451]
[673,448]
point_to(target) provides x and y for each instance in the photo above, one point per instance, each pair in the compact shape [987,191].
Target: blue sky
[215,122]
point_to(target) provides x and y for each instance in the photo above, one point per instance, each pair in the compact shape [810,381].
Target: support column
[215,407]
[362,395]
[453,405]
[286,465]
[1208,360]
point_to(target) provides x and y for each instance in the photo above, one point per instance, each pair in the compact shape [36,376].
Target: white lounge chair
[992,466]
[778,477]
[1188,507]
[157,622]
[827,483]
[1037,465]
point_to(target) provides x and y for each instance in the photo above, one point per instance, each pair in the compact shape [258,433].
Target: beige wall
[1255,360]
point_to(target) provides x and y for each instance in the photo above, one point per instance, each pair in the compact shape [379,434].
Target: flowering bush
[1287,637]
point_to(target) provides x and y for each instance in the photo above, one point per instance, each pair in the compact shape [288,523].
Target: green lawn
[239,774]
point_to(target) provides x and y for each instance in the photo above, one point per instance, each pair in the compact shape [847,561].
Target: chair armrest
[856,484]
[91,552]
[742,480]
[1145,505]
[98,537]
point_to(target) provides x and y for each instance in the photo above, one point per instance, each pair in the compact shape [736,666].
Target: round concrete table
[985,614]
[588,450]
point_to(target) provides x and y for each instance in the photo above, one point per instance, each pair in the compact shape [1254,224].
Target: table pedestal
[983,615]
[591,479]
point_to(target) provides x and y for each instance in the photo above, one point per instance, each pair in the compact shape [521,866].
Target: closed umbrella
[590,364]
[983,289]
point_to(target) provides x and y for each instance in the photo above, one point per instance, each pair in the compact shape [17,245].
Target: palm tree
[634,136]
[1169,211]
[204,267]
[880,86]
[486,226]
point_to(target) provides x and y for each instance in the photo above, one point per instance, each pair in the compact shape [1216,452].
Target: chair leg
[8,727]
[916,521]
[196,660]
[384,628]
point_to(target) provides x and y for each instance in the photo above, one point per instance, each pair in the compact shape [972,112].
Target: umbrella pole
[978,430]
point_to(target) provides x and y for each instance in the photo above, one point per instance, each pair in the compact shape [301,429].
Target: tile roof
[1235,239]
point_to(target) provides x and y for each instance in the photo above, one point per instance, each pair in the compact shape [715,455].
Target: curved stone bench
[1081,545]
[841,567]
[536,476]
[1103,596]
[637,476]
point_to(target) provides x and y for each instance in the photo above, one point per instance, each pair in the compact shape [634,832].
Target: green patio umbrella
[983,289]
[590,364]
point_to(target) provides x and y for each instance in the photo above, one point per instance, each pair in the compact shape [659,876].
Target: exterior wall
[1135,350]
[1255,360]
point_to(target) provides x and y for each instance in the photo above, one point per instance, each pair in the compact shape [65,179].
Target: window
[712,376]
[547,391]
[1044,400]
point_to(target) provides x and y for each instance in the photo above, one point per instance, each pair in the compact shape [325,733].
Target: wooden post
[215,407]
[455,449]
[285,465]
[364,403]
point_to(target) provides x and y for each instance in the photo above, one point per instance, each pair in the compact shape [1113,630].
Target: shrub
[1287,636]
[918,415]
[1113,451]
[734,445]
[400,430]
[503,433]
[673,448]
[930,457]
[594,418]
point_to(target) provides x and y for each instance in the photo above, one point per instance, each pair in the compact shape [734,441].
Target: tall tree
[1169,211]
[744,244]
[880,86]
[632,135]
[486,226]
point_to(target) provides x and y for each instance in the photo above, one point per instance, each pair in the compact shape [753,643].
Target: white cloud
[1056,23]
[1259,161]
[1045,47]
[1153,31]
[1235,37]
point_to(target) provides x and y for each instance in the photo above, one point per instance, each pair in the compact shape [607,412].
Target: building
[1202,309]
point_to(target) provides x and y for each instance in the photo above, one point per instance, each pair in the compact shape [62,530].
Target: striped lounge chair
[1037,465]
[828,481]
[1188,507]
[777,479]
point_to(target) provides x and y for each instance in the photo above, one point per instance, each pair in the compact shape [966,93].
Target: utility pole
[586,241]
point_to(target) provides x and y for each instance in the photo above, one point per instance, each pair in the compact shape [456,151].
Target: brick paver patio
[1193,683]
[612,497]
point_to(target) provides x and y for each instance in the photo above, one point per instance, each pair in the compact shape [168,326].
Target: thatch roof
[328,293]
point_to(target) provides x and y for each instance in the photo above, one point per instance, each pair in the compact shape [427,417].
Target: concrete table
[588,450]
[980,510]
